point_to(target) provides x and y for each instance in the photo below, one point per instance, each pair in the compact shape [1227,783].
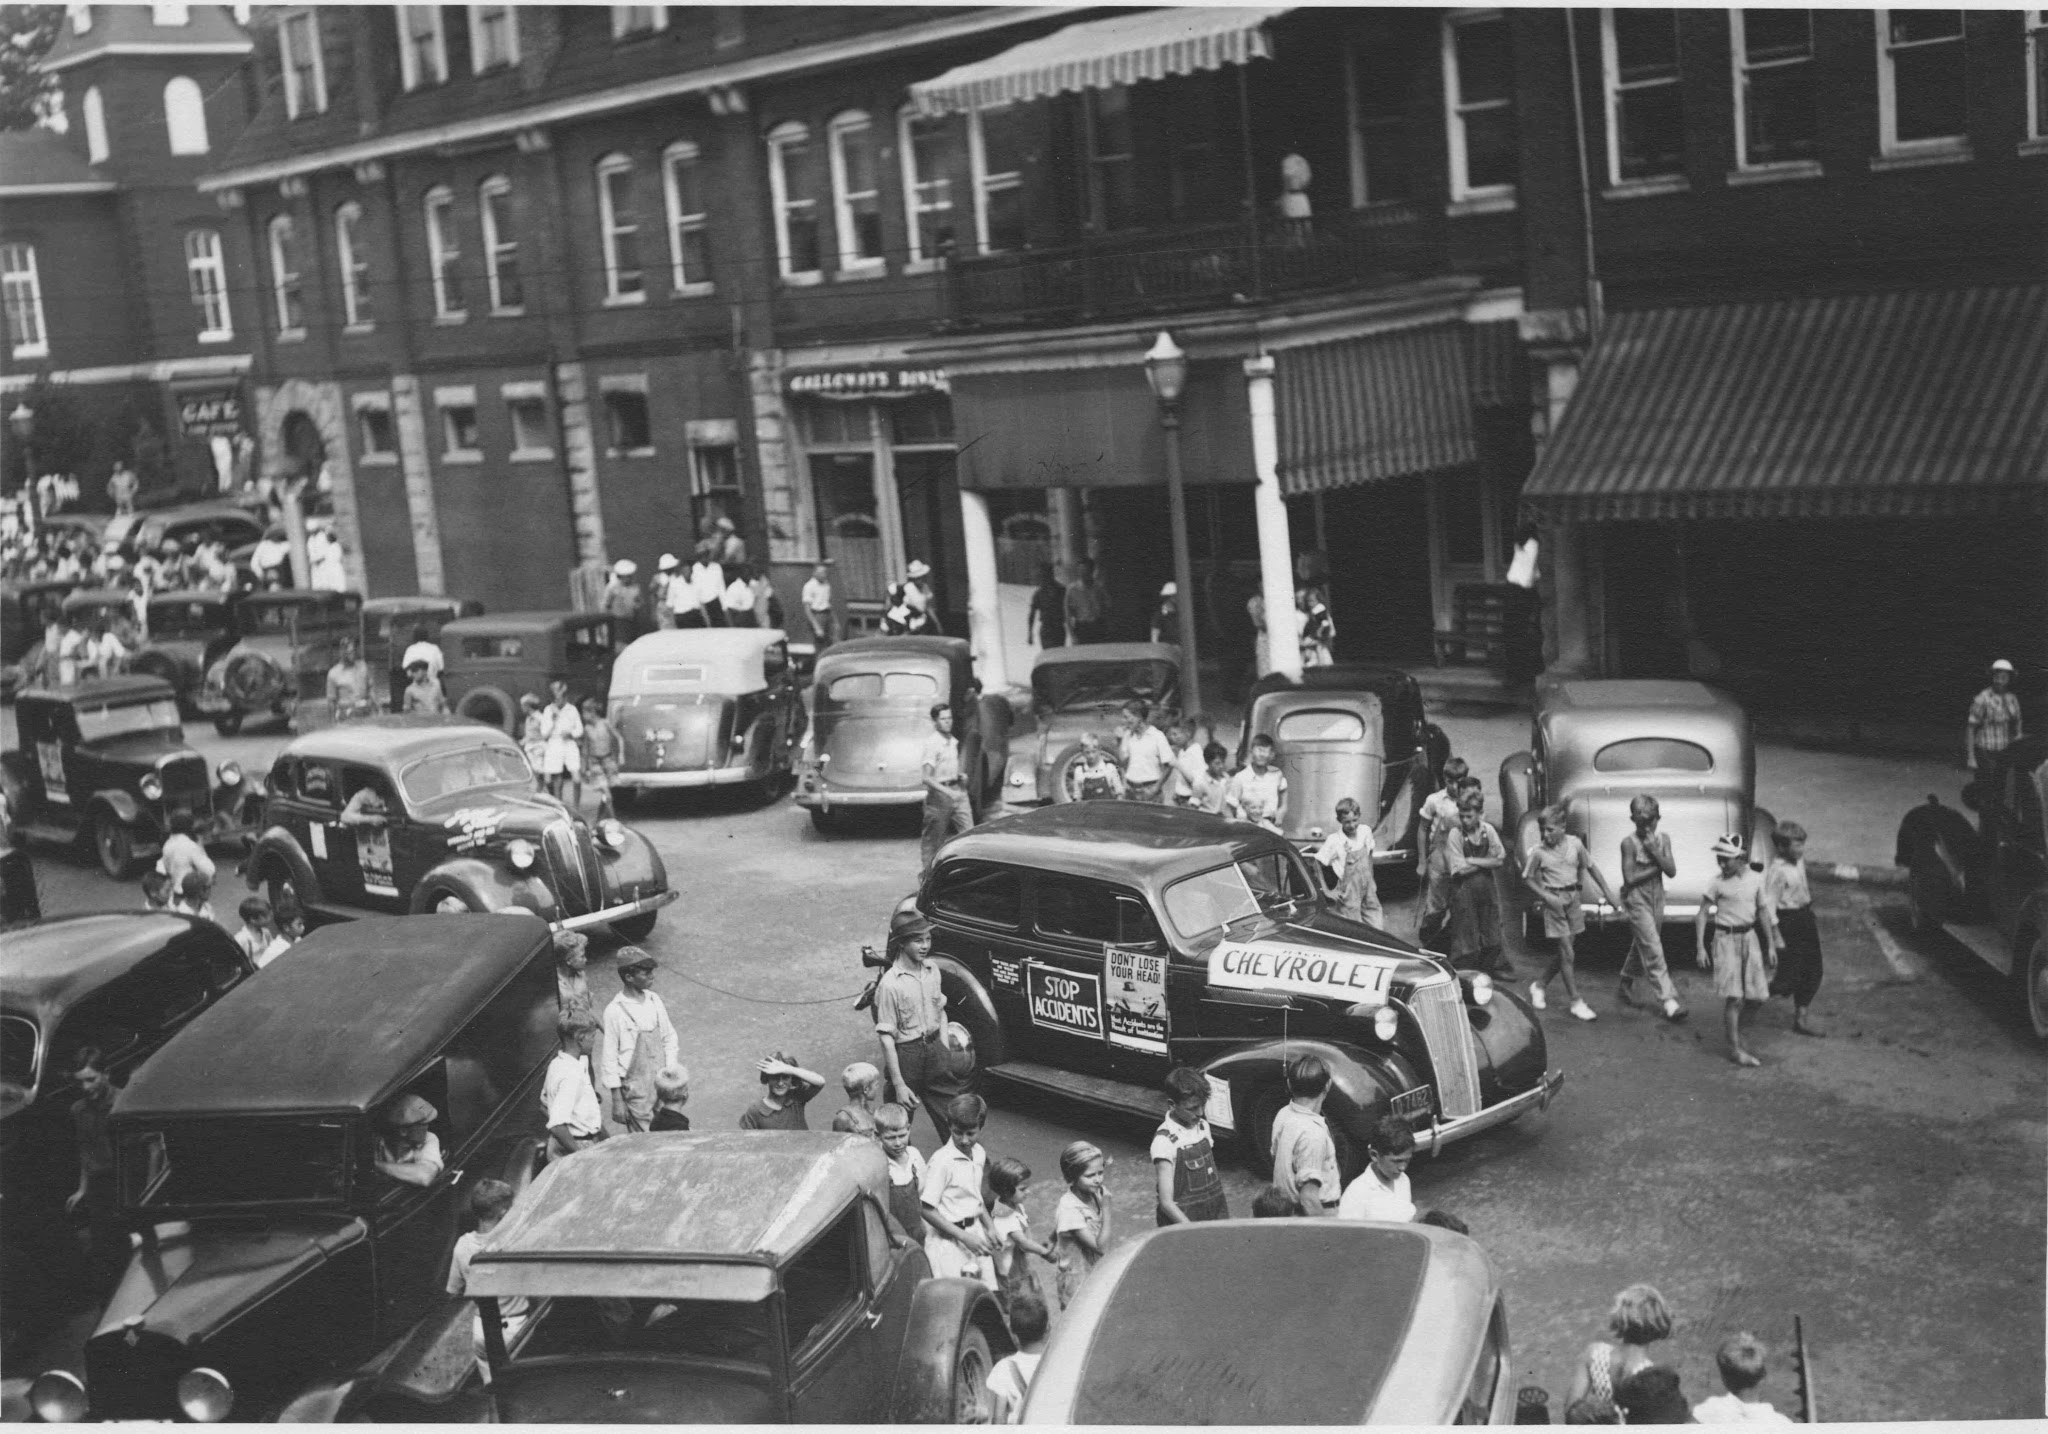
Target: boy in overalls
[639,1041]
[1184,1155]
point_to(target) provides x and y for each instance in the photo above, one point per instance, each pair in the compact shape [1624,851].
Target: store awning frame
[1096,54]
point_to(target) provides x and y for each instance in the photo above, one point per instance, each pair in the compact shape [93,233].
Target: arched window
[207,273]
[682,183]
[625,282]
[353,264]
[21,294]
[185,116]
[856,194]
[501,245]
[793,185]
[444,254]
[95,125]
[286,288]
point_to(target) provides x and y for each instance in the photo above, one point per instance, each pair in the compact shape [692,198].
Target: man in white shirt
[422,649]
[947,812]
[574,1116]
[817,599]
[707,583]
[1148,756]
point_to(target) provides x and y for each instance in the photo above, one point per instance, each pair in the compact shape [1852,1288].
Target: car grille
[1439,1010]
[184,776]
[573,868]
[138,1381]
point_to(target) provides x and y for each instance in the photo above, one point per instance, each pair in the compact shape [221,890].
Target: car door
[1073,921]
[329,846]
[893,1277]
[587,658]
[978,910]
[376,844]
[829,1333]
[413,1228]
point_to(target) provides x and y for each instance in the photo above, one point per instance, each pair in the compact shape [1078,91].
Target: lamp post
[1166,369]
[22,423]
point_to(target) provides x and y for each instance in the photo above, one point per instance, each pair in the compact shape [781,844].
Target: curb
[1888,877]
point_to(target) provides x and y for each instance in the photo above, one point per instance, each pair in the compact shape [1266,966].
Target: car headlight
[519,853]
[739,739]
[205,1395]
[1482,989]
[1386,1023]
[152,787]
[58,1397]
[612,832]
[230,774]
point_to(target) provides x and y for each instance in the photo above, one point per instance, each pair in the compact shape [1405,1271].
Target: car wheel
[635,928]
[228,723]
[1266,1108]
[446,901]
[990,1048]
[115,845]
[2030,975]
[487,705]
[277,887]
[1927,898]
[1062,776]
[970,1378]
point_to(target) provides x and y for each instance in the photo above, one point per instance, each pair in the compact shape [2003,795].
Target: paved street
[1885,1183]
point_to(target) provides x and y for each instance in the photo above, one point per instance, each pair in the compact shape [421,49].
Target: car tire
[2030,983]
[1928,900]
[277,885]
[439,900]
[635,928]
[228,723]
[968,1401]
[991,1048]
[114,844]
[489,705]
[1065,765]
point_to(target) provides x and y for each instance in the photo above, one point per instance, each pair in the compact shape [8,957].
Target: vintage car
[494,661]
[1350,731]
[236,528]
[701,707]
[1083,689]
[285,642]
[26,612]
[388,627]
[83,608]
[104,762]
[1988,886]
[122,983]
[870,704]
[743,1277]
[1409,1327]
[462,829]
[187,630]
[274,1258]
[1596,745]
[1089,948]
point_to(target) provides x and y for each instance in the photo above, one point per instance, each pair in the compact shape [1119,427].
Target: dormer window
[422,46]
[185,116]
[305,75]
[493,37]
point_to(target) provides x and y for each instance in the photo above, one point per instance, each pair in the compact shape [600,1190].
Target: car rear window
[493,647]
[980,891]
[672,674]
[1653,754]
[1321,725]
[857,686]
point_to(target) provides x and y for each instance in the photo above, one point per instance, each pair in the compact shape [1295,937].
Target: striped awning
[1096,54]
[1367,409]
[1921,403]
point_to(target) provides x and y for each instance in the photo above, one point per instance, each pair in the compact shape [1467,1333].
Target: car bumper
[825,798]
[1537,1097]
[701,777]
[615,913]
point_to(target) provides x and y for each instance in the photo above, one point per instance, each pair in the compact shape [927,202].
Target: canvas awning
[1926,403]
[1096,54]
[1098,428]
[1368,409]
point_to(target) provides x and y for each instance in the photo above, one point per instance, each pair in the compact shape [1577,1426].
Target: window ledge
[1775,173]
[1948,152]
[1647,188]
[624,301]
[32,351]
[213,338]
[694,291]
[925,266]
[2034,146]
[532,455]
[378,460]
[291,336]
[353,330]
[1502,202]
[463,455]
[629,453]
[512,313]
[804,279]
[877,270]
[448,321]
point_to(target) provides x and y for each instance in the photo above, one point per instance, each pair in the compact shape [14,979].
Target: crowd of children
[1619,1381]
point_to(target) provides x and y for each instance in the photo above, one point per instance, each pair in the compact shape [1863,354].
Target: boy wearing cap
[639,1040]
[422,692]
[621,596]
[1994,722]
[406,1150]
[910,1015]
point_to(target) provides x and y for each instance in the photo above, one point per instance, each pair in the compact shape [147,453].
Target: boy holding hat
[910,1015]
[639,1041]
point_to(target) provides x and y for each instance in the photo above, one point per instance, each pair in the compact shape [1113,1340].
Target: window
[1382,137]
[1775,114]
[689,256]
[444,254]
[375,439]
[493,37]
[1653,754]
[352,264]
[1112,159]
[95,125]
[793,185]
[185,116]
[930,147]
[460,442]
[166,13]
[619,222]
[526,405]
[305,77]
[627,429]
[1093,911]
[1645,113]
[1200,187]
[21,291]
[714,471]
[980,891]
[1922,96]
[856,195]
[501,246]
[422,46]
[1479,105]
[206,273]
[1320,725]
[286,290]
[995,140]
[638,20]
[2037,74]
[821,1288]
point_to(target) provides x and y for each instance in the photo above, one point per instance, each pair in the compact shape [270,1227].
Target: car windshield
[1089,684]
[1653,754]
[446,773]
[97,723]
[261,617]
[186,619]
[716,1329]
[871,686]
[1273,884]
[17,1054]
[235,1162]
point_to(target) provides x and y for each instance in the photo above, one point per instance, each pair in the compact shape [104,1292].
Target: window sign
[1137,998]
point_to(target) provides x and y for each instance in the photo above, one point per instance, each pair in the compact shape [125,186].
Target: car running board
[1091,1090]
[1986,941]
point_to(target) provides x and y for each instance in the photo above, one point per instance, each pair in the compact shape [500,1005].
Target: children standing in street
[1080,1222]
[1187,762]
[1093,777]
[959,1239]
[1007,1179]
[1346,859]
[600,758]
[1305,1166]
[1147,754]
[1184,1155]
[533,736]
[572,987]
[1646,860]
[790,1088]
[257,933]
[639,1040]
[1433,823]
[1472,854]
[1208,791]
[1010,1380]
[1259,792]
[1743,950]
[1556,872]
[862,1082]
[488,1202]
[1791,899]
[906,1167]
[671,1094]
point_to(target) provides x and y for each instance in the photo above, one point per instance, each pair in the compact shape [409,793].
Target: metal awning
[1921,403]
[1368,409]
[1096,54]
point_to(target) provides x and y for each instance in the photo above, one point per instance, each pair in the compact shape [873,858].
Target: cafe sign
[872,382]
[217,414]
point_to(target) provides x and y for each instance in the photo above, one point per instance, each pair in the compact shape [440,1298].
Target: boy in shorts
[1556,871]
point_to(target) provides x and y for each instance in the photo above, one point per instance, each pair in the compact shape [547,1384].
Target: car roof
[106,691]
[58,962]
[1106,652]
[1583,717]
[1634,693]
[339,1022]
[535,621]
[1114,841]
[730,658]
[87,597]
[394,737]
[1332,1322]
[385,605]
[189,595]
[748,1195]
[298,597]
[953,649]
[1341,677]
[186,511]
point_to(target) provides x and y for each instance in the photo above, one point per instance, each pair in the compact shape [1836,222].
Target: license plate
[1411,1103]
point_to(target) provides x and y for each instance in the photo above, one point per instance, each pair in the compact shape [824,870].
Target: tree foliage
[26,34]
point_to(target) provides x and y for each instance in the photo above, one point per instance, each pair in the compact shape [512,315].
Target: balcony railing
[1204,266]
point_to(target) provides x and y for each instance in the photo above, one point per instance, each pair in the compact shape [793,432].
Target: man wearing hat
[639,1040]
[1994,723]
[910,1019]
[621,596]
[407,1150]
[660,592]
[732,548]
[910,602]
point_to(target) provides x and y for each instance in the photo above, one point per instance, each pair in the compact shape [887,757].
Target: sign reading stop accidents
[1275,966]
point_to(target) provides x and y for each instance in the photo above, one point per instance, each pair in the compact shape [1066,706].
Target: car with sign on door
[735,1277]
[704,707]
[275,1261]
[284,643]
[1088,948]
[436,814]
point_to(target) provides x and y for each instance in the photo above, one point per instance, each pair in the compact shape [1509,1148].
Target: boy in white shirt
[1259,792]
[639,1041]
[817,601]
[1381,1191]
[1148,756]
[488,1203]
[574,1117]
[1010,1380]
[1741,1361]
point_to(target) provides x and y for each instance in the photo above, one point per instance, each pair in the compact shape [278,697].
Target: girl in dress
[533,735]
[1638,1320]
[1007,1179]
[1081,1221]
[1743,949]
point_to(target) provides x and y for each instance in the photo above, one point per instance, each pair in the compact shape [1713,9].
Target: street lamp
[1166,369]
[22,423]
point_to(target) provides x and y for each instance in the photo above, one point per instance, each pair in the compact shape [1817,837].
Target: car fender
[278,846]
[940,1308]
[484,887]
[123,805]
[634,863]
[1763,829]
[1362,1082]
[1513,1052]
[1517,789]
